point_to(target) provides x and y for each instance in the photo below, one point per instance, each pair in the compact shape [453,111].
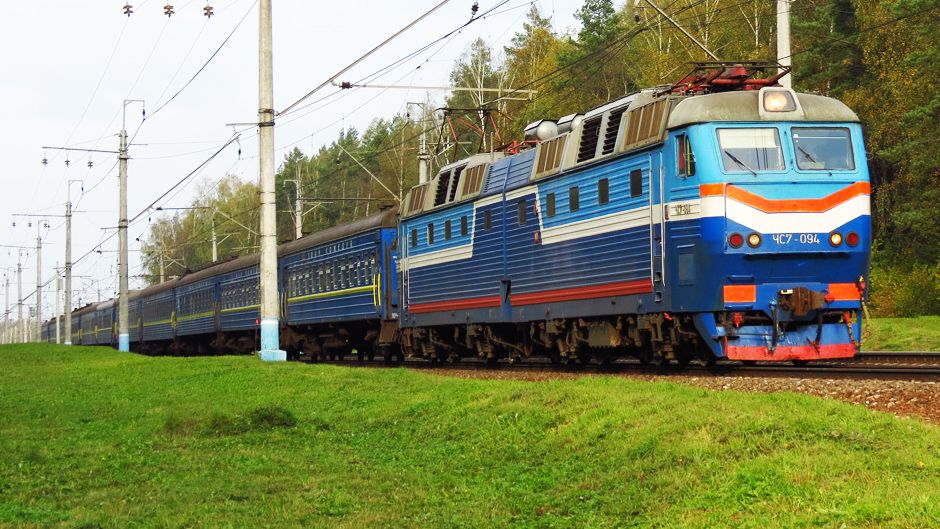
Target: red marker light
[736,240]
[852,239]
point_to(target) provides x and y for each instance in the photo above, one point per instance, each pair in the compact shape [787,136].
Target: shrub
[898,291]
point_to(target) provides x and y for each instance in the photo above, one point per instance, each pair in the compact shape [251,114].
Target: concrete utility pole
[298,207]
[124,337]
[38,282]
[21,334]
[6,314]
[783,39]
[58,294]
[270,315]
[215,241]
[68,266]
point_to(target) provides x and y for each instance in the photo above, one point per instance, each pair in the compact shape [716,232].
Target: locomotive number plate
[783,239]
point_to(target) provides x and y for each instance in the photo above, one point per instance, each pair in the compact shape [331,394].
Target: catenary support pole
[58,295]
[215,240]
[270,316]
[38,282]
[20,335]
[124,342]
[68,271]
[298,208]
[783,39]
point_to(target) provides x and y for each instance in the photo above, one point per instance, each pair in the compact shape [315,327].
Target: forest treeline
[881,57]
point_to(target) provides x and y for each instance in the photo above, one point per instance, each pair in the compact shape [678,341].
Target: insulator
[474,8]
[45,161]
[168,10]
[128,9]
[67,162]
[90,164]
[207,11]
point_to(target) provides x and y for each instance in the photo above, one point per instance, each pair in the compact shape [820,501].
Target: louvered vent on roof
[588,145]
[455,181]
[415,200]
[473,180]
[549,156]
[613,126]
[647,125]
[440,194]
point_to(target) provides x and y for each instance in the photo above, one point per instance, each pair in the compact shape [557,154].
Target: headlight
[753,240]
[835,238]
[779,101]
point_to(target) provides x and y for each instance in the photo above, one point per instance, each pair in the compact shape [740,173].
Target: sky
[68,66]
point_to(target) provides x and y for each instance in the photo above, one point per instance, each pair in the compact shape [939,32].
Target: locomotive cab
[783,222]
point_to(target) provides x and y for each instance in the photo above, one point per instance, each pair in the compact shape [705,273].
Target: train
[723,217]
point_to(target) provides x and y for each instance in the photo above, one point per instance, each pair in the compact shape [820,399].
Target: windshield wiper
[739,162]
[806,154]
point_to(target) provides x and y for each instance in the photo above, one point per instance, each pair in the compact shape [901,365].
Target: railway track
[874,366]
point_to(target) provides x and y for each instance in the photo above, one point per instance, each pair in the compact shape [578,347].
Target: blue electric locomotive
[724,217]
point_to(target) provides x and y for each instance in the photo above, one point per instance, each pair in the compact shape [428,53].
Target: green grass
[94,438]
[904,334]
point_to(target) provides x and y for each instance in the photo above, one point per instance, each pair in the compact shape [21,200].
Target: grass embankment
[904,334]
[94,438]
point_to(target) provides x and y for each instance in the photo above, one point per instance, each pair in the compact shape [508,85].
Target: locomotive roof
[744,106]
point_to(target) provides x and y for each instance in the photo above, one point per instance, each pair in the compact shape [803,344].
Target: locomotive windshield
[750,150]
[824,149]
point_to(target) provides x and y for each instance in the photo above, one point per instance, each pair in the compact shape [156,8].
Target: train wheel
[361,356]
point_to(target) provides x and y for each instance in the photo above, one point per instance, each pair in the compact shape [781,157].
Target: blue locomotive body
[653,226]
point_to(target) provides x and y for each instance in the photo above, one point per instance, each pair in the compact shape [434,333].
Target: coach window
[603,191]
[521,207]
[550,204]
[373,266]
[464,230]
[636,183]
[574,203]
[685,162]
[447,230]
[487,220]
[430,234]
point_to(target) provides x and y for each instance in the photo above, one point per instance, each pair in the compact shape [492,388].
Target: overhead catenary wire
[362,58]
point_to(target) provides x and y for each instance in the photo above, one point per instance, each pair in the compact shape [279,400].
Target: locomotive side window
[603,191]
[487,220]
[463,226]
[823,149]
[414,238]
[430,234]
[636,183]
[574,203]
[522,212]
[685,161]
[447,230]
[550,204]
[750,150]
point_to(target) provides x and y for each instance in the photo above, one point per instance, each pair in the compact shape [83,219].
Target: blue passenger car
[339,288]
